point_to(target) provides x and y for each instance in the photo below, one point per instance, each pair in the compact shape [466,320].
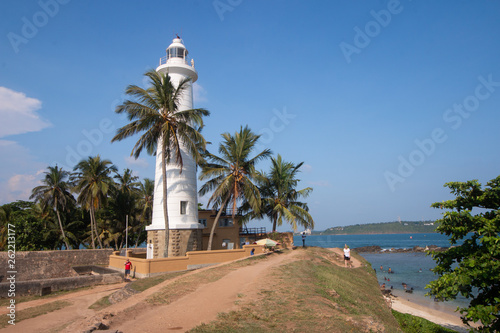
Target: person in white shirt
[347,256]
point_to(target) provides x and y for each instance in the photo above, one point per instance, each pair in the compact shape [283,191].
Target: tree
[280,199]
[29,228]
[230,176]
[93,182]
[473,268]
[125,197]
[146,192]
[165,129]
[55,193]
[145,206]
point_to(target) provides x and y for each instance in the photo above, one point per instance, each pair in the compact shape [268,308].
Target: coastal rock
[369,249]
[378,249]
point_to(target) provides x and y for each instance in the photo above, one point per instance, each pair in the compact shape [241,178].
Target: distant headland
[397,227]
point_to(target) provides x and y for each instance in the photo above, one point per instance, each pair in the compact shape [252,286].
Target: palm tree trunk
[165,208]
[275,219]
[209,247]
[97,234]
[95,226]
[92,223]
[60,225]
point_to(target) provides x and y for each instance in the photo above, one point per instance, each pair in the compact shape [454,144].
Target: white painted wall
[180,186]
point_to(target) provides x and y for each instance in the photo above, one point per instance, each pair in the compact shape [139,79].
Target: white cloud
[20,186]
[140,162]
[199,93]
[18,113]
[18,172]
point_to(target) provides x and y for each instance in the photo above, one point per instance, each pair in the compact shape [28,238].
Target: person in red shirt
[128,267]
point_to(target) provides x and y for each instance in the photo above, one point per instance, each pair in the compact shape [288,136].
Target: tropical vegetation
[73,210]
[230,176]
[280,198]
[473,268]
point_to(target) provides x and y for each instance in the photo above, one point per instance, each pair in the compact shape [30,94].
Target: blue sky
[383,101]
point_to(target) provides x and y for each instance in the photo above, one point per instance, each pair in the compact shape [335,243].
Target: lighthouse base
[180,242]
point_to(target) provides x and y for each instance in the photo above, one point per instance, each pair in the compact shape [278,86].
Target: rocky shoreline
[378,249]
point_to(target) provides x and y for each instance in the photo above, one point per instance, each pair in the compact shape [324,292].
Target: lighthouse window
[176,53]
[184,205]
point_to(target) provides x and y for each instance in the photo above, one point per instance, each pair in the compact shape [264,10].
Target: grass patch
[188,284]
[35,312]
[311,295]
[413,324]
[146,283]
[100,304]
[138,285]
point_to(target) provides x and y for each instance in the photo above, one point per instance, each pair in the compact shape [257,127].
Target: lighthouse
[182,200]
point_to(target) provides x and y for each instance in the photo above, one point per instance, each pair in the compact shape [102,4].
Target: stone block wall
[43,287]
[36,265]
[181,241]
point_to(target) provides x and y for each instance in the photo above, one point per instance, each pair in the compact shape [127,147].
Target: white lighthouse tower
[182,195]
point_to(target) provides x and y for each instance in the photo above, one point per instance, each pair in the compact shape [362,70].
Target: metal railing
[186,61]
[227,212]
[252,231]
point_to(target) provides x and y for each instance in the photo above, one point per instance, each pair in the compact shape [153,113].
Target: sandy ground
[187,312]
[444,318]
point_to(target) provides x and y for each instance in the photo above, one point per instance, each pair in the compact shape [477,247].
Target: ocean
[414,269]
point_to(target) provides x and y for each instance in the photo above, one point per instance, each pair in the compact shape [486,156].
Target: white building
[182,191]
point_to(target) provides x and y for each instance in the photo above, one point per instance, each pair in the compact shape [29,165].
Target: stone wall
[181,241]
[44,287]
[36,265]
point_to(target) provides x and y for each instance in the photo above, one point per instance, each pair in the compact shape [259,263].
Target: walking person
[303,239]
[128,267]
[347,256]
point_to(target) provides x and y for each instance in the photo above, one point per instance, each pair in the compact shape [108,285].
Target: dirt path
[71,295]
[340,258]
[80,301]
[240,285]
[212,298]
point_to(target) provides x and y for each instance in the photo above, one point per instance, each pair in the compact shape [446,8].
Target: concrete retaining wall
[149,267]
[44,287]
[37,265]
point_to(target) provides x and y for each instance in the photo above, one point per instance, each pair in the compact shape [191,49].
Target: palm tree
[165,129]
[127,183]
[93,182]
[280,198]
[55,193]
[230,176]
[145,202]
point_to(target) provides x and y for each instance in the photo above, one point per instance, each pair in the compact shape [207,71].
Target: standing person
[128,267]
[303,239]
[347,256]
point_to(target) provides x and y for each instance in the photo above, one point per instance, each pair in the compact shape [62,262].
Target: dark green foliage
[280,196]
[28,227]
[472,269]
[230,176]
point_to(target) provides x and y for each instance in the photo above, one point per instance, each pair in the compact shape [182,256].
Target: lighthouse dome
[176,49]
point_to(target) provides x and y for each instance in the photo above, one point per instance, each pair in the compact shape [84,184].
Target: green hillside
[382,228]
